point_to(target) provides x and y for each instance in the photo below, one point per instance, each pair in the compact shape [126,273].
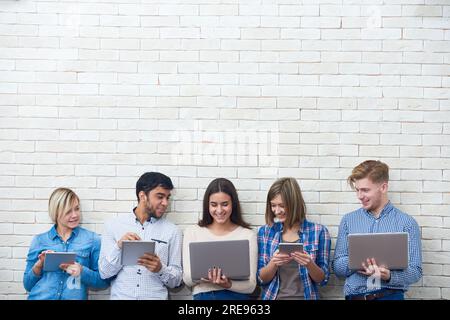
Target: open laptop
[231,256]
[388,249]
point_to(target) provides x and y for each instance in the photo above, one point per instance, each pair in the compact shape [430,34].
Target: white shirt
[136,282]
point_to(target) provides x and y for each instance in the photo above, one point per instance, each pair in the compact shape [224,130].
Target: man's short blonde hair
[60,202]
[375,170]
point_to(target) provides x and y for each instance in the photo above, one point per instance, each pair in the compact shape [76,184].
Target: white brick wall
[94,94]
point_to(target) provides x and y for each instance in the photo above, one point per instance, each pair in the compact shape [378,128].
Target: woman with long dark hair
[222,220]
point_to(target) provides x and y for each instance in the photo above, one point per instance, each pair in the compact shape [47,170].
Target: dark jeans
[400,295]
[397,295]
[221,295]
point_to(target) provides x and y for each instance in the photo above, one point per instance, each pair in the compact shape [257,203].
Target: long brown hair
[292,198]
[225,186]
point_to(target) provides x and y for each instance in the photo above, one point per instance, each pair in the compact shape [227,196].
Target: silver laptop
[388,249]
[231,256]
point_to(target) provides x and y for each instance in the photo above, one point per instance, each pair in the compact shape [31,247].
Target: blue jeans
[398,295]
[221,295]
[395,296]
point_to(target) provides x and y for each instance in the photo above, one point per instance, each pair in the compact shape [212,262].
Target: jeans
[221,295]
[397,295]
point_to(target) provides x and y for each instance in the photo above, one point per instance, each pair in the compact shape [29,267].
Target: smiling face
[278,208]
[156,201]
[70,218]
[220,207]
[373,196]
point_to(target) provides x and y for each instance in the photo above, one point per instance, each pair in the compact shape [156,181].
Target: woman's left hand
[74,269]
[215,276]
[302,258]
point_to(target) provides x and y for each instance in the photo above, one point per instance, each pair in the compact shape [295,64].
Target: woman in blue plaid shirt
[296,275]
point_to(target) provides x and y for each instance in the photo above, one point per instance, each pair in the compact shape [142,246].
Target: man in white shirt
[155,272]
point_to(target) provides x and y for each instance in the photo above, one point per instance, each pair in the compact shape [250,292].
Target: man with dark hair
[378,215]
[152,275]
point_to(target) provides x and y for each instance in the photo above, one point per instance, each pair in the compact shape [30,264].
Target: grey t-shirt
[291,286]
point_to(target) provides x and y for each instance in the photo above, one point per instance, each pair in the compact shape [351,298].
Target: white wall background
[94,93]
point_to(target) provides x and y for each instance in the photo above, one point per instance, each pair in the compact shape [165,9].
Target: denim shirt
[59,285]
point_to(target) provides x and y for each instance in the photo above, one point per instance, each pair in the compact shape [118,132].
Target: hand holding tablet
[53,260]
[132,251]
[290,247]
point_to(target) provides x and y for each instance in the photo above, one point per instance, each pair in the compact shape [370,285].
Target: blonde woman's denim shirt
[59,285]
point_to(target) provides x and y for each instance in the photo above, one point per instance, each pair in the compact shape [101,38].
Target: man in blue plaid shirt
[377,215]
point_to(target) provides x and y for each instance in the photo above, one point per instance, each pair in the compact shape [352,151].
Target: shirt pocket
[162,251]
[83,257]
[312,249]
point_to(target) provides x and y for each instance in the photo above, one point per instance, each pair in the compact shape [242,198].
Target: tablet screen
[133,250]
[54,259]
[289,247]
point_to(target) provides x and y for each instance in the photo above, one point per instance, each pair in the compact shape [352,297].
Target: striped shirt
[316,242]
[137,282]
[391,219]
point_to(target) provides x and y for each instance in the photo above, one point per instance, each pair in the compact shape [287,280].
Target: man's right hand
[128,236]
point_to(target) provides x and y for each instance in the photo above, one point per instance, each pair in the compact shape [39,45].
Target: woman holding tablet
[222,220]
[284,273]
[72,280]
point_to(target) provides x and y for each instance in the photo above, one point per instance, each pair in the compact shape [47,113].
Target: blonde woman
[72,281]
[297,275]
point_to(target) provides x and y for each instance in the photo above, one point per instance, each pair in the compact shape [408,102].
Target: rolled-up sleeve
[171,274]
[414,271]
[263,254]
[340,261]
[248,286]
[29,278]
[91,275]
[187,239]
[109,263]
[323,257]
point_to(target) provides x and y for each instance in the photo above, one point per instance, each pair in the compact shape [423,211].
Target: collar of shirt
[387,208]
[278,227]
[150,219]
[53,234]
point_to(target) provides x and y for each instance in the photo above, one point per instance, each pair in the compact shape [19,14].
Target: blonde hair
[375,170]
[292,198]
[60,202]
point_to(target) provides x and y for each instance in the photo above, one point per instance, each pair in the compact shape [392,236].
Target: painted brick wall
[94,93]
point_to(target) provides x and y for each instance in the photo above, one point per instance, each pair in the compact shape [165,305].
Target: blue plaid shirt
[391,219]
[316,242]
